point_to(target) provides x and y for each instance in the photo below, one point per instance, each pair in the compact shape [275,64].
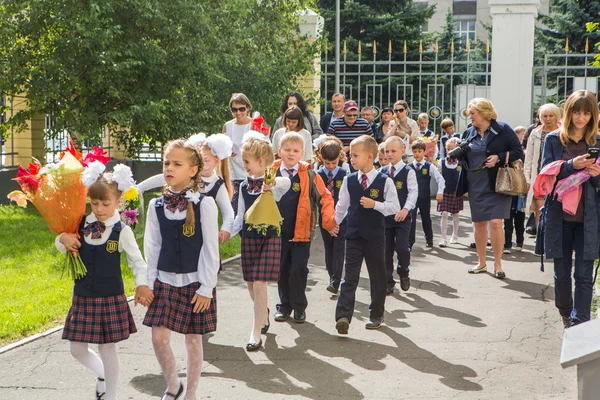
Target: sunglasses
[240,109]
[351,115]
[399,110]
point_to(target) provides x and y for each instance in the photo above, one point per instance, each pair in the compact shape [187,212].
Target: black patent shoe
[342,326]
[99,395]
[299,317]
[265,328]
[169,396]
[254,346]
[332,288]
[374,323]
[405,283]
[281,317]
[567,322]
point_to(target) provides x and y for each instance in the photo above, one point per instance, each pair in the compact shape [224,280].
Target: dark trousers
[424,207]
[335,250]
[372,252]
[572,239]
[518,217]
[293,274]
[396,240]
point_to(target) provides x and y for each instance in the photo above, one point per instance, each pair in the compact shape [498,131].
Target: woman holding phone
[575,143]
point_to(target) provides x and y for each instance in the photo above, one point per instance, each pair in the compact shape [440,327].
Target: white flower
[318,141]
[220,145]
[255,135]
[194,197]
[197,139]
[90,174]
[123,176]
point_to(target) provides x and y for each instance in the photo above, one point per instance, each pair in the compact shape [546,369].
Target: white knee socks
[110,359]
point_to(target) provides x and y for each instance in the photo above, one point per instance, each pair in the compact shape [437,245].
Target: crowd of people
[364,183]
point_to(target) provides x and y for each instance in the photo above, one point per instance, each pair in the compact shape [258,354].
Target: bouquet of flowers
[130,213]
[264,213]
[58,193]
[431,143]
[259,124]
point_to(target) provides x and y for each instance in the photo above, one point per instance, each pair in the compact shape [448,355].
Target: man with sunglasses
[404,127]
[350,126]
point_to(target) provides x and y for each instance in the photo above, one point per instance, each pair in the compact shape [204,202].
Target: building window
[465,29]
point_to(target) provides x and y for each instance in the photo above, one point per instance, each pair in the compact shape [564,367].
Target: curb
[50,331]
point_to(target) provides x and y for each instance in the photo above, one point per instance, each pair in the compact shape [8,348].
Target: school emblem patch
[399,185]
[338,184]
[374,193]
[296,187]
[424,171]
[188,230]
[112,246]
[458,168]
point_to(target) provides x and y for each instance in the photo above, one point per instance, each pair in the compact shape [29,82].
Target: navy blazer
[504,140]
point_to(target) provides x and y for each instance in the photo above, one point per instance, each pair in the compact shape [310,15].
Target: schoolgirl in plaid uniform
[182,250]
[331,155]
[261,253]
[451,203]
[99,313]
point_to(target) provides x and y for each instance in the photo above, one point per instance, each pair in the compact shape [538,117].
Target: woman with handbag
[489,145]
[566,232]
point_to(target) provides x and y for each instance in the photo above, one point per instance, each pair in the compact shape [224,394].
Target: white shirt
[433,171]
[411,185]
[222,199]
[284,173]
[282,185]
[236,133]
[308,148]
[127,244]
[389,206]
[208,262]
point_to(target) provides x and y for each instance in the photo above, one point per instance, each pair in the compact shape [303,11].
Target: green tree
[151,70]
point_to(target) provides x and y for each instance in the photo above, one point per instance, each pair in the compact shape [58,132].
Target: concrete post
[581,348]
[513,23]
[311,27]
[29,142]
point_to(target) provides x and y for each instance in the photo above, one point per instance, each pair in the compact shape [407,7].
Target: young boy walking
[397,227]
[424,170]
[299,208]
[366,197]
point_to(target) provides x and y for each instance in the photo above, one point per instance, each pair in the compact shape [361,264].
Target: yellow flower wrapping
[264,213]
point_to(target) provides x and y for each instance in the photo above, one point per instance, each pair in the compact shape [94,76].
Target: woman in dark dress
[489,141]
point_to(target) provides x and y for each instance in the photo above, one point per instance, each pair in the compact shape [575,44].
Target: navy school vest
[103,263]
[180,251]
[288,205]
[401,185]
[451,177]
[365,223]
[338,179]
[249,199]
[215,189]
[423,179]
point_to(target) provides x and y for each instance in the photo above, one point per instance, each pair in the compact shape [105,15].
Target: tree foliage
[151,70]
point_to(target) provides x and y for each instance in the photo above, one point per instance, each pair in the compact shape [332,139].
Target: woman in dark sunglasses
[404,127]
[240,107]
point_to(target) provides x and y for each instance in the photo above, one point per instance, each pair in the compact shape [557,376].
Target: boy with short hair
[299,209]
[448,132]
[366,197]
[397,227]
[381,158]
[424,170]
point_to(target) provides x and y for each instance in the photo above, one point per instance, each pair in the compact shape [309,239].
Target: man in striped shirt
[350,127]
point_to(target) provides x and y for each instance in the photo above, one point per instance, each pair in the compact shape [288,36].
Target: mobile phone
[593,152]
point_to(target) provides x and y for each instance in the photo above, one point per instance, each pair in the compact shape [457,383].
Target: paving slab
[451,336]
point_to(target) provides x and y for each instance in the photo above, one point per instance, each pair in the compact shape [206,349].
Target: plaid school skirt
[99,320]
[451,203]
[172,308]
[261,258]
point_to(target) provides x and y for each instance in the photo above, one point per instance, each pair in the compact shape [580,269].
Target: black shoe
[168,396]
[254,346]
[99,395]
[567,322]
[281,317]
[489,244]
[342,326]
[429,244]
[299,316]
[374,323]
[265,328]
[530,231]
[405,283]
[473,245]
[390,290]
[333,288]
